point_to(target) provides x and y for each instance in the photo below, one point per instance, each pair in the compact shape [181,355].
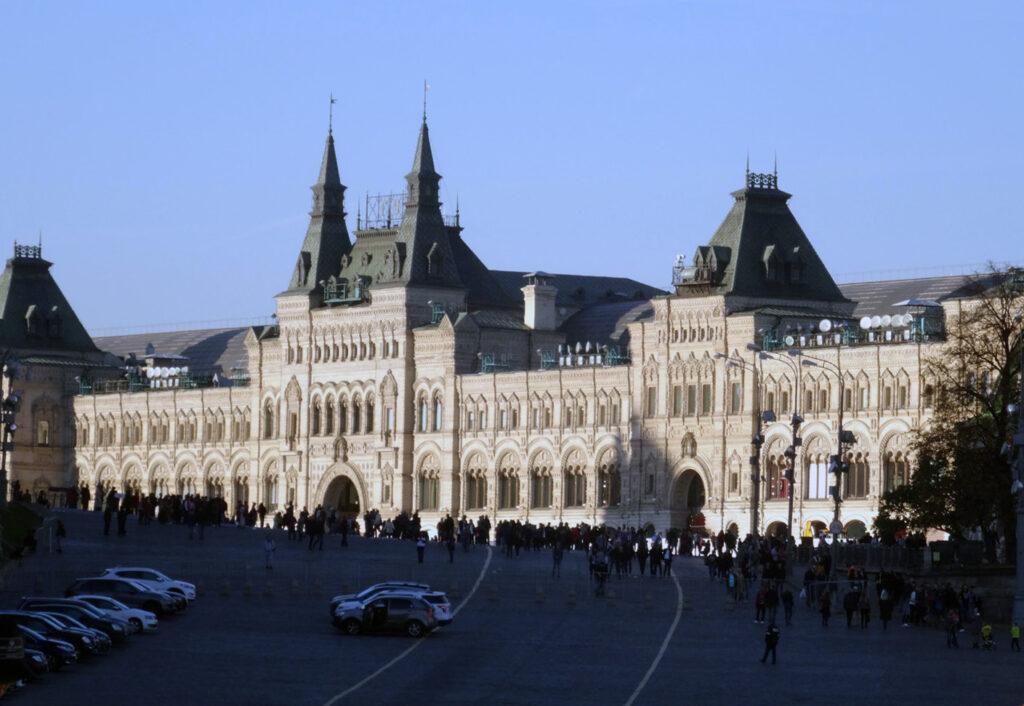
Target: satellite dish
[897,320]
[886,320]
[865,322]
[824,325]
[790,340]
[876,321]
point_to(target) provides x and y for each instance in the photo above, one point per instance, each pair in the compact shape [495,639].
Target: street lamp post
[844,438]
[791,453]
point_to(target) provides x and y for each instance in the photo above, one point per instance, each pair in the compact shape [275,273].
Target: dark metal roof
[878,298]
[208,350]
[605,324]
[581,291]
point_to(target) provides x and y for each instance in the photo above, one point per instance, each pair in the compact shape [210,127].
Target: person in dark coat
[771,641]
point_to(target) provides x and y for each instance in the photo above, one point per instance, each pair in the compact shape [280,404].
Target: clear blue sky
[166,149]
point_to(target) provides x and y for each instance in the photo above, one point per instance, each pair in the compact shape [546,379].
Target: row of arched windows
[131,431]
[818,478]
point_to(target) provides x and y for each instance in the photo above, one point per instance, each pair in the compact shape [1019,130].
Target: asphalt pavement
[520,636]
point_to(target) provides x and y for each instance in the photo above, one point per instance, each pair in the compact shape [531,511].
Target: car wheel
[414,628]
[351,627]
[136,623]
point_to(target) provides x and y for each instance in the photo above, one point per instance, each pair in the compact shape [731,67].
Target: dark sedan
[58,652]
[82,612]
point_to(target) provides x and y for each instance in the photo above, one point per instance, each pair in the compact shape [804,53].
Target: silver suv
[368,593]
[388,612]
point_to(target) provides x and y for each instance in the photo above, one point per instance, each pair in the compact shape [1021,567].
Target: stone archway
[343,494]
[688,498]
[342,487]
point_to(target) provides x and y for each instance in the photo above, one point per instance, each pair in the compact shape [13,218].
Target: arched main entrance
[688,497]
[343,494]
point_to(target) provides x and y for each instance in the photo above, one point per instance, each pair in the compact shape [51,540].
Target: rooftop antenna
[748,162]
[776,167]
[40,241]
[330,118]
[425,89]
[359,215]
[456,209]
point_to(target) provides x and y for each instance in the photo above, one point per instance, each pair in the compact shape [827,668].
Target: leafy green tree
[961,477]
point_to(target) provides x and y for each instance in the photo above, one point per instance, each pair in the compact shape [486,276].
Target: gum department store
[402,374]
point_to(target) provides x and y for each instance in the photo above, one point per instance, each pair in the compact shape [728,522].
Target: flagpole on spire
[330,118]
[425,89]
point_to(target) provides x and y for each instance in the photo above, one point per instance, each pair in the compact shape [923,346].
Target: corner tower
[327,236]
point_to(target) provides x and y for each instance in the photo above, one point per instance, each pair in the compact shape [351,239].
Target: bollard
[540,595]
[686,604]
[648,602]
[268,590]
[493,595]
[295,587]
[570,598]
[224,588]
[247,588]
[610,598]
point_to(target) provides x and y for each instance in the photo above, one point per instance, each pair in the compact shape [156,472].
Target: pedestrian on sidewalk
[556,559]
[1014,636]
[268,550]
[421,547]
[787,605]
[61,534]
[771,641]
[760,604]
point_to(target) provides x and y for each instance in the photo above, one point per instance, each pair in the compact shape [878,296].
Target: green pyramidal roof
[759,251]
[34,314]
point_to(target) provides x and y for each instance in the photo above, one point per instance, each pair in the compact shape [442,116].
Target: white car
[437,600]
[152,579]
[368,593]
[142,620]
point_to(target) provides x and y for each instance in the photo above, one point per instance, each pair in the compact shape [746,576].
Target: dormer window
[434,261]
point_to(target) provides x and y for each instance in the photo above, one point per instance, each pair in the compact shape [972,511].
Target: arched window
[329,416]
[429,483]
[540,481]
[508,482]
[369,413]
[476,483]
[574,479]
[356,409]
[896,470]
[438,412]
[316,417]
[424,413]
[609,479]
[342,416]
[856,482]
[816,467]
[775,472]
[268,420]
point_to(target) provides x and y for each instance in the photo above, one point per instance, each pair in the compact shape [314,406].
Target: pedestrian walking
[421,547]
[556,559]
[865,609]
[884,608]
[268,550]
[826,606]
[1014,636]
[760,604]
[787,605]
[771,641]
[61,534]
[952,626]
[450,544]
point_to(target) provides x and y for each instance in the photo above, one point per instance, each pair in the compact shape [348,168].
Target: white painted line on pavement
[664,644]
[417,643]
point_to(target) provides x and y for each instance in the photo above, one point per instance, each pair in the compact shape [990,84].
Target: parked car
[128,592]
[100,644]
[36,663]
[139,619]
[58,652]
[81,640]
[153,579]
[368,593]
[386,613]
[113,627]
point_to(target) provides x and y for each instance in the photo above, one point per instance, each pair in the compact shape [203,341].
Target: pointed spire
[423,180]
[328,166]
